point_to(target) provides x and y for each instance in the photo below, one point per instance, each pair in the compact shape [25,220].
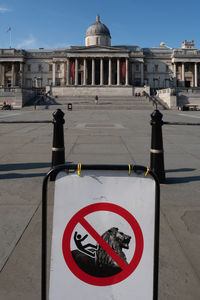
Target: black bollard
[157,153]
[58,149]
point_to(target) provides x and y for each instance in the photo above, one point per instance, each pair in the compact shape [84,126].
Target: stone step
[104,103]
[101,99]
[137,101]
[79,108]
[110,107]
[107,103]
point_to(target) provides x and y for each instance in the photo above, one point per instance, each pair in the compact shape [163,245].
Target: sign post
[105,233]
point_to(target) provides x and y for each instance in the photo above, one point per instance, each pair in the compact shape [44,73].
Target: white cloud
[4,10]
[28,43]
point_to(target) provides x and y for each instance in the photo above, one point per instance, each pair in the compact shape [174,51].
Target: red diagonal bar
[103,243]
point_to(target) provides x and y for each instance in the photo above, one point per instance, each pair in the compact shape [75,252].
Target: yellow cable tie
[79,169]
[147,172]
[129,169]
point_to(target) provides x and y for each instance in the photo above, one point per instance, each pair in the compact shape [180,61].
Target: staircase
[106,103]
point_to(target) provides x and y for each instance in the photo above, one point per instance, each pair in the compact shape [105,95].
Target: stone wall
[100,91]
[141,90]
[168,96]
[17,97]
[92,91]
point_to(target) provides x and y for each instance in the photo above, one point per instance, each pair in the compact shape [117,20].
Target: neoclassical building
[99,67]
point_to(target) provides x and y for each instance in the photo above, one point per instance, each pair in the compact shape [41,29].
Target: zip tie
[129,169]
[147,172]
[79,169]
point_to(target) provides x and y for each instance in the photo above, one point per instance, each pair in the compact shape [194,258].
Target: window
[57,81]
[58,67]
[97,41]
[50,68]
[187,68]
[50,81]
[8,68]
[137,82]
[137,67]
[145,68]
[167,83]
[156,68]
[28,83]
[28,68]
[156,83]
[39,82]
[39,68]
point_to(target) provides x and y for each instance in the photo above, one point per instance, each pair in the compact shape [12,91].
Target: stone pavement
[113,137]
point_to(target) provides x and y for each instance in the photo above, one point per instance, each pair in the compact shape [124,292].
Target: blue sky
[54,24]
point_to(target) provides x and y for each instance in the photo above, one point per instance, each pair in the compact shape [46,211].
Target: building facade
[99,67]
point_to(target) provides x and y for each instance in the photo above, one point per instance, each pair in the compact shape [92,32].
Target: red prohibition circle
[128,270]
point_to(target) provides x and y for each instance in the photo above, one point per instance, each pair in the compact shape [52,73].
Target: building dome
[97,34]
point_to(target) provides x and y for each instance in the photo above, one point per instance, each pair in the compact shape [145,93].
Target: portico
[186,73]
[11,74]
[94,70]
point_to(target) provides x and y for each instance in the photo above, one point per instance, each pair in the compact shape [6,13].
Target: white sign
[103,236]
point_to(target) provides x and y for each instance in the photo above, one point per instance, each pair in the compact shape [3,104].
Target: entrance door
[167,83]
[80,78]
[187,83]
[8,83]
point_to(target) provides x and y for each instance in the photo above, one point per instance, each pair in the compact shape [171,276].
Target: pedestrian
[96,100]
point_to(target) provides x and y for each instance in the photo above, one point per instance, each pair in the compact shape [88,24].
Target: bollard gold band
[156,151]
[58,149]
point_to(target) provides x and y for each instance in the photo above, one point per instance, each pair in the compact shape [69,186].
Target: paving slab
[177,279]
[184,221]
[13,221]
[102,137]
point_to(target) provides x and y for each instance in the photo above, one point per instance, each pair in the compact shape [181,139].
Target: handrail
[154,100]
[151,98]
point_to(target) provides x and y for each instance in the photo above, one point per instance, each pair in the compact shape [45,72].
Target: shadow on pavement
[174,180]
[23,166]
[185,179]
[180,170]
[17,175]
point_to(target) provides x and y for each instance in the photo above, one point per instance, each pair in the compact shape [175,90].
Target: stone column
[54,74]
[126,71]
[76,71]
[3,75]
[84,71]
[142,74]
[68,71]
[64,74]
[195,75]
[183,75]
[118,71]
[93,71]
[175,81]
[21,70]
[110,72]
[0,75]
[13,75]
[101,72]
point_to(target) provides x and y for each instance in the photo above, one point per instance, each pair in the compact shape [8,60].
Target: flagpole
[10,39]
[10,35]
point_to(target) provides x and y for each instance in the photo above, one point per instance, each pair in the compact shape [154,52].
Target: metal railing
[152,99]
